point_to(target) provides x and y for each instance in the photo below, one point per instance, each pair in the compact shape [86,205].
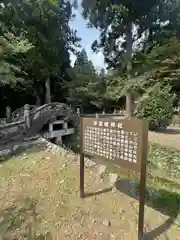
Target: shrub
[156,106]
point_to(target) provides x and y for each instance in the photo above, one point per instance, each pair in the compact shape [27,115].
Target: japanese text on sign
[113,140]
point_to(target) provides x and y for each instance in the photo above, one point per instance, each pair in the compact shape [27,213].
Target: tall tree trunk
[48,90]
[38,99]
[39,92]
[129,43]
[1,102]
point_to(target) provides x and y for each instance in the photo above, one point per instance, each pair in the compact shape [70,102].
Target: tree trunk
[37,95]
[129,43]
[48,91]
[38,100]
[1,103]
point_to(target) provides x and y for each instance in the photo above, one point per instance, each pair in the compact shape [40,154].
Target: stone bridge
[52,120]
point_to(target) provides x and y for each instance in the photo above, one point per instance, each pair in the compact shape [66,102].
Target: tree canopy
[81,90]
[45,26]
[140,41]
[135,36]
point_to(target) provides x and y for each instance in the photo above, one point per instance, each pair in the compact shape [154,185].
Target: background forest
[140,41]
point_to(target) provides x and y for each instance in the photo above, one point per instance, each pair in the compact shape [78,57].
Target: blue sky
[88,35]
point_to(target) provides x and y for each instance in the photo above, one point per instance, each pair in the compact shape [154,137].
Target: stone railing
[19,113]
[2,121]
[97,115]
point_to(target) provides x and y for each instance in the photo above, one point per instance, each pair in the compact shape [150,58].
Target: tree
[156,106]
[46,26]
[84,78]
[117,20]
[12,43]
[10,47]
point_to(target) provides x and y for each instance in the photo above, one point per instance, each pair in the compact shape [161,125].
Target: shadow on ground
[19,222]
[168,203]
[86,195]
[172,131]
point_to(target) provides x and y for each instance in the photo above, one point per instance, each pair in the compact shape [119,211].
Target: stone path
[170,138]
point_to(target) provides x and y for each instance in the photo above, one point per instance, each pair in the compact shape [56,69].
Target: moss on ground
[164,162]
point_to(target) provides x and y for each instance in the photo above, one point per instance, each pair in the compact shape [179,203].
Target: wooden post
[81,160]
[8,114]
[142,191]
[27,116]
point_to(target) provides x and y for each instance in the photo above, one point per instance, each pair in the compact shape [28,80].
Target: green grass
[164,159]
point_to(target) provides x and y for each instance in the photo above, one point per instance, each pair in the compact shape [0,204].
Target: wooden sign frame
[102,137]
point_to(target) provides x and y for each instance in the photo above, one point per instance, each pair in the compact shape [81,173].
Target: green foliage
[10,47]
[45,25]
[115,85]
[156,106]
[36,41]
[113,17]
[87,86]
[161,64]
[127,27]
[83,75]
[164,158]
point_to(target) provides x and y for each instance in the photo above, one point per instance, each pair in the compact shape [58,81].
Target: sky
[87,35]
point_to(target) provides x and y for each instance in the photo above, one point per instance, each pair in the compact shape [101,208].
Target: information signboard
[123,142]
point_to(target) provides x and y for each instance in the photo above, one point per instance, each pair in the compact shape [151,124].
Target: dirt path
[170,137]
[39,199]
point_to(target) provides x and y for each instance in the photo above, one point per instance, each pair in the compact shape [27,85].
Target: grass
[164,161]
[39,199]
